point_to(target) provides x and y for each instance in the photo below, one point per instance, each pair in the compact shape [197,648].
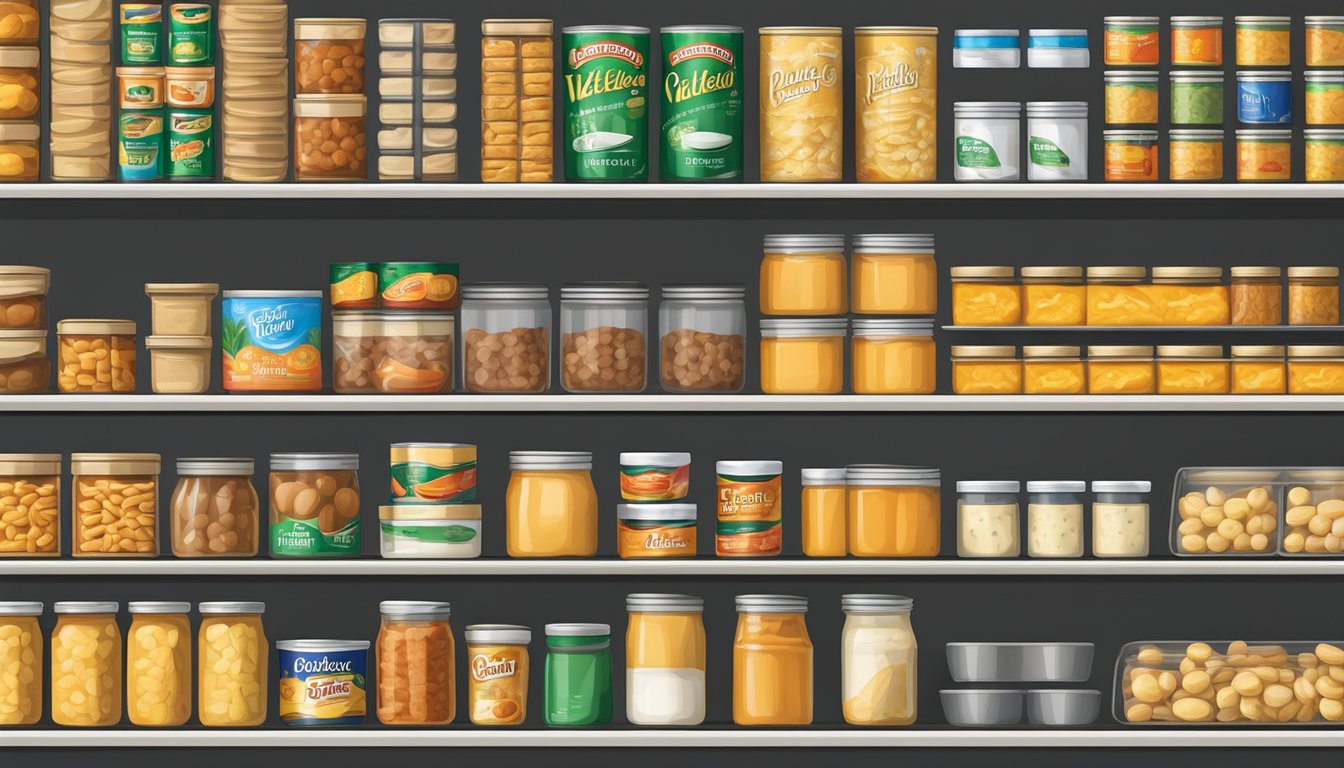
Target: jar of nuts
[1227,512]
[30,505]
[214,509]
[329,138]
[314,504]
[24,367]
[23,297]
[1314,512]
[115,504]
[703,330]
[96,355]
[603,332]
[392,352]
[329,55]
[507,332]
[1313,295]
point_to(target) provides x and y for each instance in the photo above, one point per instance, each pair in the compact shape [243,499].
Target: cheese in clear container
[988,518]
[893,511]
[1055,518]
[893,357]
[232,653]
[551,505]
[1325,41]
[86,665]
[772,661]
[986,370]
[1258,370]
[1053,370]
[985,296]
[1120,518]
[1190,296]
[1263,41]
[114,504]
[1324,154]
[158,664]
[665,660]
[894,275]
[21,657]
[823,512]
[803,356]
[30,506]
[1315,370]
[1193,370]
[1116,296]
[804,275]
[1053,296]
[1120,370]
[879,661]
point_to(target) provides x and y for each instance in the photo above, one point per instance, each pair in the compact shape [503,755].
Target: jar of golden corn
[1116,296]
[896,104]
[86,665]
[233,665]
[804,275]
[1258,370]
[1313,295]
[1263,41]
[802,125]
[158,664]
[1325,98]
[986,370]
[1120,370]
[1257,296]
[894,275]
[1192,370]
[1196,154]
[1325,41]
[1053,296]
[893,357]
[21,658]
[803,356]
[985,296]
[1315,370]
[1053,371]
[1324,154]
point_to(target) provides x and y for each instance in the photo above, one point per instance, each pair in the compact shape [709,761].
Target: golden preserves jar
[1116,296]
[96,355]
[803,275]
[1257,296]
[1195,154]
[416,662]
[1264,155]
[1325,98]
[802,126]
[1053,371]
[1131,97]
[517,83]
[879,661]
[893,357]
[893,511]
[30,505]
[1313,295]
[20,73]
[1258,370]
[1263,41]
[551,505]
[1131,155]
[1053,296]
[1120,370]
[772,661]
[894,275]
[86,665]
[215,509]
[114,504]
[980,370]
[1189,296]
[158,664]
[985,296]
[1197,41]
[330,138]
[1325,41]
[21,659]
[1315,370]
[823,512]
[233,662]
[498,669]
[1324,154]
[896,103]
[803,356]
[1192,370]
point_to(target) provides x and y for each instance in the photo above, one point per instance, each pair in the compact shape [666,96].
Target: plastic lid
[415,610]
[1122,486]
[892,475]
[804,327]
[321,646]
[604,292]
[826,476]
[96,327]
[498,634]
[86,607]
[231,608]
[551,460]
[578,630]
[1056,486]
[749,468]
[329,29]
[1315,350]
[293,462]
[20,608]
[876,603]
[771,604]
[980,273]
[650,602]
[985,32]
[655,459]
[181,289]
[1263,76]
[18,464]
[429,513]
[662,511]
[518,27]
[803,243]
[703,292]
[20,57]
[885,327]
[380,321]
[178,342]
[1187,273]
[1190,350]
[213,467]
[1037,273]
[160,607]
[1200,76]
[115,463]
[985,351]
[988,486]
[1329,21]
[505,291]
[896,30]
[1116,273]
[989,110]
[1119,351]
[1323,134]
[1061,39]
[1258,350]
[1312,272]
[1256,271]
[330,105]
[1051,351]
[880,243]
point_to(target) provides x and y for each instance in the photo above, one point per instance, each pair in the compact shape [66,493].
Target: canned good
[322,682]
[1197,41]
[1131,155]
[140,142]
[1197,98]
[191,144]
[189,87]
[896,98]
[141,33]
[1325,154]
[1325,98]
[701,104]
[354,285]
[433,473]
[191,34]
[140,87]
[1131,97]
[606,116]
[1264,155]
[750,512]
[1265,97]
[419,285]
[1196,155]
[272,341]
[1325,41]
[1262,41]
[655,530]
[655,476]
[802,133]
[1131,40]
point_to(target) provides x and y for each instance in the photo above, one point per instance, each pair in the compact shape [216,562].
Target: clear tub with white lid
[988,518]
[988,135]
[1120,518]
[1055,518]
[1057,141]
[987,49]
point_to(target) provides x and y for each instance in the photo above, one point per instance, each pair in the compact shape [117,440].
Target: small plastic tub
[1057,49]
[96,355]
[1265,97]
[987,49]
[655,476]
[1131,41]
[1264,154]
[1131,156]
[181,309]
[430,531]
[179,365]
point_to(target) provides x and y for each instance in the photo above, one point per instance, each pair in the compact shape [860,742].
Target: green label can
[140,145]
[702,104]
[191,34]
[291,537]
[141,33]
[606,72]
[191,144]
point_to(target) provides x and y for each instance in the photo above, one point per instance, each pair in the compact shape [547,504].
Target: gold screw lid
[1044,272]
[1183,350]
[995,352]
[1119,351]
[1298,272]
[1116,273]
[1258,350]
[1256,272]
[1051,352]
[980,273]
[1187,273]
[1315,350]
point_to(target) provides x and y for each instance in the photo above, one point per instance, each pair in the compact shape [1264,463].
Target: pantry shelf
[1139,329]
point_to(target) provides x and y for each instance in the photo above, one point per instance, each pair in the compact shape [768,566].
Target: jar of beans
[603,332]
[329,138]
[96,355]
[1313,295]
[703,330]
[329,55]
[215,509]
[507,337]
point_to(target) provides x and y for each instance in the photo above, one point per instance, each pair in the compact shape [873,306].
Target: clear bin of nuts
[1232,683]
[214,509]
[24,366]
[1226,511]
[1313,512]
[330,138]
[702,331]
[314,504]
[96,355]
[329,55]
[23,297]
[30,505]
[392,352]
[603,337]
[114,504]
[506,328]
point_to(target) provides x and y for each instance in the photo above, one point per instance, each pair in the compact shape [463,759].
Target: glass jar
[879,661]
[1055,518]
[330,138]
[1258,370]
[1057,140]
[803,356]
[981,370]
[1264,97]
[772,661]
[551,504]
[1257,296]
[392,352]
[1120,370]
[1315,370]
[893,511]
[578,675]
[1131,97]
[416,659]
[24,366]
[506,329]
[802,104]
[1131,155]
[983,296]
[1325,98]
[20,22]
[1197,41]
[1116,296]
[884,100]
[233,661]
[665,660]
[893,357]
[96,355]
[1324,154]
[498,668]
[86,665]
[23,296]
[21,658]
[823,518]
[1053,371]
[1264,155]
[114,507]
[987,137]
[215,510]
[1195,155]
[1120,518]
[604,329]
[1313,295]
[988,518]
[30,506]
[158,664]
[1325,41]
[1196,98]
[1053,296]
[804,275]
[1189,296]
[329,55]
[1193,370]
[20,94]
[1262,41]
[894,275]
[703,330]
[1131,40]
[314,504]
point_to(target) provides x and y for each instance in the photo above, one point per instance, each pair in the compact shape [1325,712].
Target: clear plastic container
[985,296]
[1264,155]
[233,665]
[823,513]
[1257,296]
[20,92]
[1053,296]
[1313,295]
[988,135]
[96,356]
[329,55]
[804,275]
[417,661]
[1189,296]
[21,656]
[1195,155]
[86,665]
[772,661]
[1055,518]
[517,87]
[551,504]
[1226,511]
[1312,501]
[1315,370]
[23,297]
[1262,41]
[1053,370]
[1197,41]
[893,511]
[604,330]
[803,356]
[989,519]
[1121,370]
[893,357]
[24,366]
[1131,97]
[986,370]
[1258,370]
[879,661]
[114,504]
[215,510]
[894,275]
[1325,41]
[158,664]
[330,138]
[498,674]
[314,499]
[506,329]
[1120,518]
[1324,154]
[703,338]
[30,505]
[665,660]
[1193,370]
[392,352]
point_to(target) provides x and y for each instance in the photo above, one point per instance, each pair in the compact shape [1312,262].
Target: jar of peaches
[158,664]
[21,658]
[86,665]
[985,296]
[1196,154]
[233,663]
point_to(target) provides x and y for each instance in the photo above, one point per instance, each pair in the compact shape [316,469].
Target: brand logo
[665,541]
[310,666]
[484,668]
[889,80]
[270,322]
[605,49]
[324,689]
[803,81]
[700,51]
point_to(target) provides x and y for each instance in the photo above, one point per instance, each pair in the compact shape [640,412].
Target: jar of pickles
[879,661]
[20,73]
[1316,369]
[894,275]
[1195,155]
[96,356]
[1054,296]
[158,664]
[330,138]
[604,329]
[803,275]
[1196,98]
[1264,154]
[1192,370]
[893,357]
[803,356]
[703,338]
[234,660]
[986,370]
[506,331]
[1325,98]
[1131,155]
[416,660]
[1197,41]
[114,505]
[1053,370]
[983,296]
[329,55]
[24,366]
[1262,41]
[1131,97]
[551,504]
[1324,154]
[1325,41]
[1258,370]
[21,658]
[215,509]
[1313,295]
[1120,370]
[772,661]
[893,511]
[23,296]
[1257,296]
[86,665]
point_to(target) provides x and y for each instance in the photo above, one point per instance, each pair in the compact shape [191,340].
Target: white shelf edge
[1137,329]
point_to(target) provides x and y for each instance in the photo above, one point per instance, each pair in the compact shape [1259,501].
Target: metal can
[606,71]
[354,285]
[322,682]
[801,104]
[433,473]
[140,145]
[896,103]
[191,144]
[701,104]
[141,33]
[750,514]
[419,285]
[191,34]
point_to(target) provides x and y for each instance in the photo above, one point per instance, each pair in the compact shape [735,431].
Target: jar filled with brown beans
[703,338]
[214,509]
[604,337]
[329,55]
[506,330]
[1257,296]
[329,138]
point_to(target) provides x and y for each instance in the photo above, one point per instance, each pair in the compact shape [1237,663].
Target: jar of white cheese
[1055,518]
[988,518]
[1120,518]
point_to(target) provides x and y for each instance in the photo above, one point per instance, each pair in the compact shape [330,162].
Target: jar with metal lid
[803,356]
[1257,296]
[1057,140]
[1053,296]
[1131,155]
[1258,370]
[1116,296]
[1197,41]
[1055,518]
[23,295]
[893,511]
[802,104]
[215,510]
[24,366]
[416,660]
[1264,97]
[1313,295]
[114,506]
[86,665]
[233,662]
[1131,97]
[986,370]
[893,357]
[1120,518]
[1264,155]
[823,512]
[772,661]
[20,22]
[894,275]
[604,330]
[21,658]
[1189,296]
[1324,154]
[1130,40]
[1196,98]
[1053,370]
[803,275]
[498,668]
[158,664]
[1325,98]
[896,98]
[330,138]
[1193,370]
[1120,370]
[1195,155]
[551,504]
[30,505]
[1315,370]
[987,136]
[578,675]
[703,332]
[96,356]
[314,504]
[20,93]
[329,55]
[665,660]
[506,331]
[985,296]
[988,518]
[879,661]
[1325,41]
[392,352]
[1262,41]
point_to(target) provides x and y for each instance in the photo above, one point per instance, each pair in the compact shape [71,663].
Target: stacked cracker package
[81,90]
[254,111]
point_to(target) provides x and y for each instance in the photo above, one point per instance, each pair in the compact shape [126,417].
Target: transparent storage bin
[1227,512]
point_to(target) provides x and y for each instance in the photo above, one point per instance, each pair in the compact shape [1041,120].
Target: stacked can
[254,101]
[655,520]
[330,135]
[417,137]
[20,92]
[1325,99]
[433,512]
[81,90]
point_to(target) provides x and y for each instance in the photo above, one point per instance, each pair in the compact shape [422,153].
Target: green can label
[702,104]
[191,144]
[141,33]
[291,537]
[416,482]
[606,103]
[191,34]
[140,145]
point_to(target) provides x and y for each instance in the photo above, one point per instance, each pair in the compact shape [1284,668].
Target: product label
[976,153]
[191,144]
[1264,102]
[272,344]
[749,539]
[606,106]
[419,483]
[140,146]
[141,33]
[291,537]
[702,106]
[190,35]
[749,498]
[655,483]
[1046,152]
[416,285]
[787,86]
[432,534]
[888,80]
[497,691]
[322,689]
[655,538]
[354,285]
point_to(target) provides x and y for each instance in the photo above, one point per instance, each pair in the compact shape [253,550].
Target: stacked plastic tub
[254,100]
[81,90]
[20,91]
[417,137]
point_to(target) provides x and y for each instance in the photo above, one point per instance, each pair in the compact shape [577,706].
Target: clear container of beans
[1313,295]
[329,55]
[114,504]
[506,329]
[20,74]
[214,509]
[392,352]
[232,664]
[329,138]
[703,338]
[604,331]
[96,355]
[24,366]
[23,297]
[30,506]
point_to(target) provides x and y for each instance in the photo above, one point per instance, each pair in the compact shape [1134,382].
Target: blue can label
[322,687]
[1265,102]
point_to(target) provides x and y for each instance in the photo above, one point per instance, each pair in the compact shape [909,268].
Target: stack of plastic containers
[81,90]
[417,138]
[254,113]
[330,110]
[20,71]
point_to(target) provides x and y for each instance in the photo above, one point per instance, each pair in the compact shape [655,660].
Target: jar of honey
[1054,296]
[1120,370]
[551,505]
[894,275]
[803,356]
[804,275]
[823,517]
[893,511]
[772,661]
[893,357]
